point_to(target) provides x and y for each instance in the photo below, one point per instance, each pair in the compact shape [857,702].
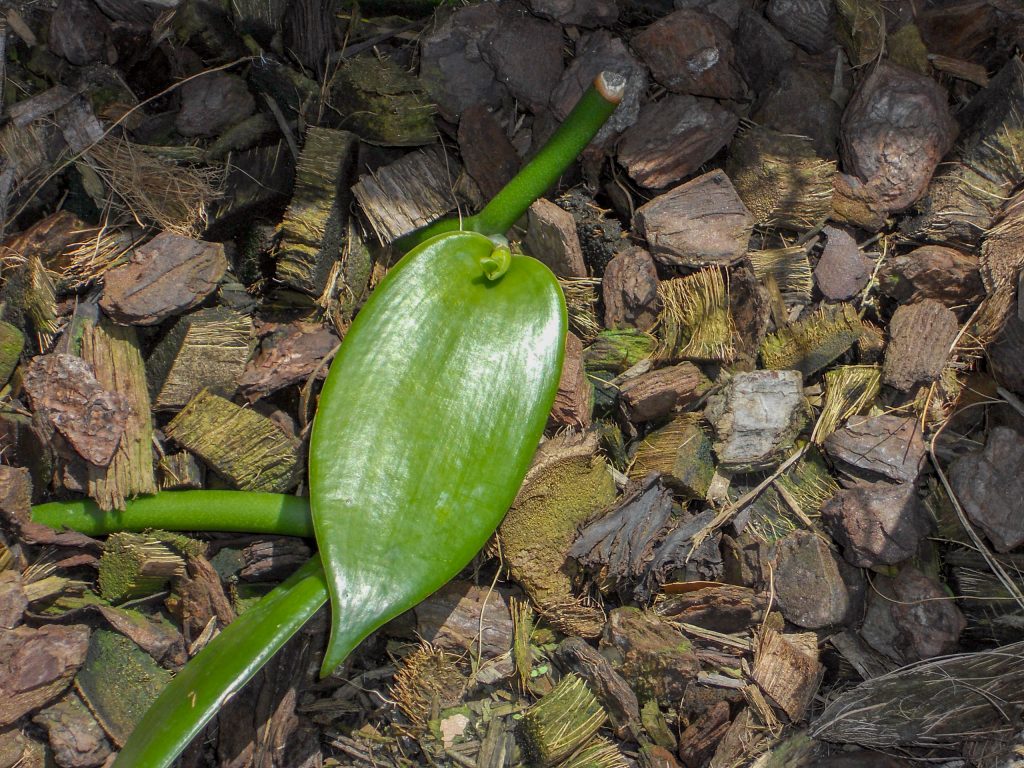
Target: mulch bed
[776,519]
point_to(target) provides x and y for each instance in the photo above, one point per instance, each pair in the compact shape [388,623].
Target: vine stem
[537,176]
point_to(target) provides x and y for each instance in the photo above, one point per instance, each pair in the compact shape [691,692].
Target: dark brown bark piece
[578,13]
[36,665]
[700,739]
[674,137]
[697,224]
[65,391]
[486,152]
[290,355]
[551,238]
[574,399]
[657,394]
[165,277]
[201,598]
[911,617]
[921,336]
[656,660]
[630,290]
[273,560]
[877,523]
[990,485]
[798,102]
[802,558]
[896,129]
[611,689]
[12,599]
[680,452]
[213,103]
[76,738]
[946,275]
[726,608]
[16,512]
[788,670]
[808,23]
[677,559]
[887,446]
[842,271]
[765,50]
[526,55]
[690,51]
[158,638]
[78,32]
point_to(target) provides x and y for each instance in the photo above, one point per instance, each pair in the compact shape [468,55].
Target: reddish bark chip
[36,665]
[990,486]
[933,272]
[921,337]
[630,290]
[166,277]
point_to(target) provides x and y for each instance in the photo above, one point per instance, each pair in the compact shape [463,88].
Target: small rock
[526,55]
[808,23]
[842,271]
[288,356]
[64,390]
[167,276]
[78,32]
[921,336]
[990,485]
[596,52]
[911,618]
[212,103]
[651,653]
[876,523]
[36,665]
[630,290]
[76,738]
[896,129]
[574,399]
[691,52]
[579,13]
[802,558]
[674,137]
[453,728]
[697,224]
[946,275]
[12,599]
[654,395]
[486,152]
[874,447]
[757,418]
[551,238]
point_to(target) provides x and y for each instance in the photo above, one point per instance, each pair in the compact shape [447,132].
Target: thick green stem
[572,136]
[237,511]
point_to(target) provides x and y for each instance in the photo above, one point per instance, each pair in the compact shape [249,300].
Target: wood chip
[574,399]
[551,238]
[630,291]
[37,665]
[788,670]
[288,356]
[165,277]
[657,394]
[990,486]
[877,523]
[608,685]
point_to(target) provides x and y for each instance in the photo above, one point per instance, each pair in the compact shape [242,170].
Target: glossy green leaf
[427,423]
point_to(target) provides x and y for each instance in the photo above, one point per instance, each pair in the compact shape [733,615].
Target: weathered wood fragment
[242,446]
[407,194]
[256,180]
[788,268]
[695,320]
[946,275]
[12,341]
[575,397]
[65,390]
[879,447]
[921,339]
[153,634]
[205,349]
[674,137]
[308,30]
[685,554]
[313,225]
[38,665]
[990,486]
[114,353]
[74,735]
[180,471]
[630,290]
[135,565]
[781,179]
[382,103]
[551,238]
[165,277]
[725,608]
[526,55]
[788,671]
[28,297]
[681,453]
[842,270]
[13,600]
[700,739]
[79,32]
[657,394]
[199,598]
[608,685]
[861,30]
[757,418]
[563,720]
[702,222]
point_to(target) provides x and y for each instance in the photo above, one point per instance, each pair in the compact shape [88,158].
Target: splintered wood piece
[245,448]
[788,671]
[655,395]
[181,471]
[630,290]
[674,137]
[921,337]
[313,225]
[551,238]
[165,277]
[67,393]
[204,350]
[288,356]
[700,223]
[699,741]
[575,396]
[608,685]
[809,345]
[781,179]
[407,194]
[113,351]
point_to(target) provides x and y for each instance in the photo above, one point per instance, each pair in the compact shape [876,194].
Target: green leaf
[222,668]
[427,423]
